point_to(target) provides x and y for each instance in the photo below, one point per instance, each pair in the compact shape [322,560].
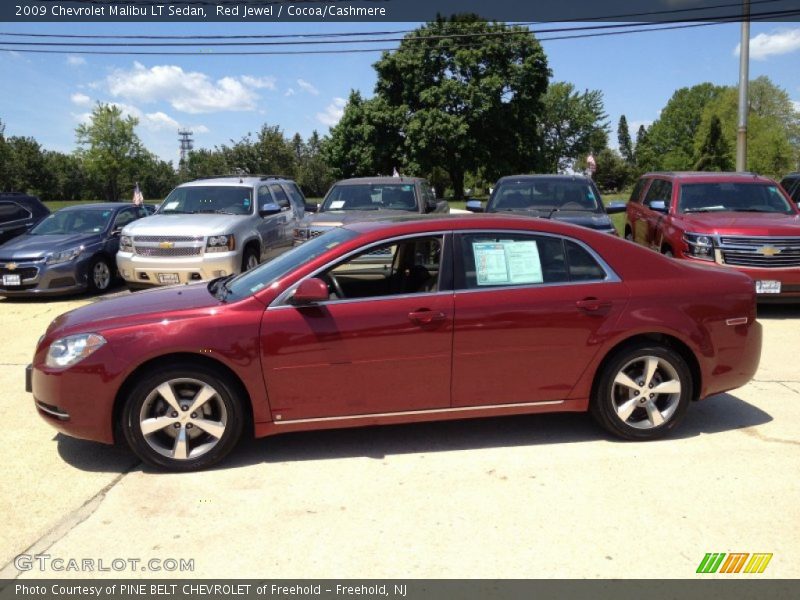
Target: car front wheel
[99,276]
[182,418]
[643,392]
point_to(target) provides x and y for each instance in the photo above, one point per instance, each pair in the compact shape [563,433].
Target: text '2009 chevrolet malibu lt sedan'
[471,316]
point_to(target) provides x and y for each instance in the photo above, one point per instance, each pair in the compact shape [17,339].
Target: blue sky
[223,98]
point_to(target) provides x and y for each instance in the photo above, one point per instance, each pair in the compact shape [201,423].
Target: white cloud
[259,82]
[75,61]
[765,45]
[199,129]
[307,87]
[191,92]
[80,99]
[159,121]
[796,104]
[290,92]
[333,112]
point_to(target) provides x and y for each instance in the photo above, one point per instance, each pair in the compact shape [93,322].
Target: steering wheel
[337,287]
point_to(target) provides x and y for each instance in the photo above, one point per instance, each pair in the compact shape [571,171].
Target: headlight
[126,243]
[700,245]
[67,351]
[65,256]
[220,243]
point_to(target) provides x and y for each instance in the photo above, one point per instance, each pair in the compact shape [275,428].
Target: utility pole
[744,64]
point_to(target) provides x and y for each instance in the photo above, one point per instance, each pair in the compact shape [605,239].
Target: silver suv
[210,228]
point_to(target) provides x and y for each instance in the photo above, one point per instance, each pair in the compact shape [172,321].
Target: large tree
[572,124]
[714,153]
[624,140]
[110,149]
[466,102]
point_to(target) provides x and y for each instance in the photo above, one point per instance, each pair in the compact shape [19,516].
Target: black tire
[611,400]
[628,235]
[173,436]
[250,259]
[99,276]
[667,251]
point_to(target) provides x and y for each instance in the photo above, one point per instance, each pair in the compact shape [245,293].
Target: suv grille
[167,238]
[763,252]
[169,252]
[168,246]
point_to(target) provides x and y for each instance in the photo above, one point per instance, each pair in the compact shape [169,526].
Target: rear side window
[582,265]
[11,211]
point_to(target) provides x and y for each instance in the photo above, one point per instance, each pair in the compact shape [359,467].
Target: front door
[381,344]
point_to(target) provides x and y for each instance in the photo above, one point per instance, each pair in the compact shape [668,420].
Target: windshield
[224,199]
[735,197]
[68,222]
[365,196]
[257,279]
[544,195]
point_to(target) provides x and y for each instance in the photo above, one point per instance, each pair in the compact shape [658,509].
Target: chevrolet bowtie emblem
[166,245]
[11,266]
[769,250]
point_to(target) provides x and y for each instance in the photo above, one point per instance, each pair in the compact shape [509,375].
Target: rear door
[529,310]
[650,231]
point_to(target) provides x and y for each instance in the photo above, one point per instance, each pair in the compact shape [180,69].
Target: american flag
[138,199]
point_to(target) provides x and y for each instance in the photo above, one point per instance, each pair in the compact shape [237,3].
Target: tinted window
[582,265]
[280,196]
[364,196]
[544,194]
[65,222]
[11,211]
[126,216]
[209,199]
[736,197]
[295,195]
[660,189]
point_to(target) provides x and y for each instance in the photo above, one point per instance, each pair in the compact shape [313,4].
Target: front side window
[125,216]
[65,222]
[636,194]
[11,211]
[409,266]
[232,200]
[364,196]
[516,259]
[295,195]
[735,197]
[280,196]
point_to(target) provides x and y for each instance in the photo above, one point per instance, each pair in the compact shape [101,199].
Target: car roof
[371,180]
[98,206]
[232,180]
[710,176]
[543,176]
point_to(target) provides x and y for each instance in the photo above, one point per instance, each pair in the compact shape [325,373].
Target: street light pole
[744,63]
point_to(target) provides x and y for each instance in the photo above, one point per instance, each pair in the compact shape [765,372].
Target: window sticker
[246,202]
[507,262]
[337,204]
[171,205]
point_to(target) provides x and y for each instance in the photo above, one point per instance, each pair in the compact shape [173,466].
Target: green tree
[5,159]
[464,105]
[313,173]
[26,171]
[110,150]
[613,172]
[66,179]
[206,163]
[572,124]
[645,158]
[714,153]
[624,140]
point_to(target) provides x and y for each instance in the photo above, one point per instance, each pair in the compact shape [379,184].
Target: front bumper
[145,270]
[41,279]
[789,278]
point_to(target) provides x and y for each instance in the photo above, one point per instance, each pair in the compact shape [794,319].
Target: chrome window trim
[282,300]
[18,205]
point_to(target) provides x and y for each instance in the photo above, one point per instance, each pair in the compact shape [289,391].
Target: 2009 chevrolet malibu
[402,321]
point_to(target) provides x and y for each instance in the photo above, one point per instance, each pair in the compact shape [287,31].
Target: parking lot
[522,497]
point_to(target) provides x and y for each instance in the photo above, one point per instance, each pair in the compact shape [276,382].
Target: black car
[791,183]
[363,198]
[71,250]
[18,213]
[571,198]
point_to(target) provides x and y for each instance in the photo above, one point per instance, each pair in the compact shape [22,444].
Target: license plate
[12,280]
[768,287]
[168,278]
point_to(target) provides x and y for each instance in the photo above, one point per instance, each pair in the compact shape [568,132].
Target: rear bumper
[145,270]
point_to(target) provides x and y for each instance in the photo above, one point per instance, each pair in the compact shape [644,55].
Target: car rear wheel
[643,392]
[182,418]
[250,259]
[99,275]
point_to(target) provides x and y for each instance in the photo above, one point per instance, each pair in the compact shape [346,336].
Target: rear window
[544,195]
[732,197]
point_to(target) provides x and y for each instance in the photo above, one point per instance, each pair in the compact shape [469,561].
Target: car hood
[733,223]
[592,220]
[39,246]
[190,225]
[138,307]
[334,218]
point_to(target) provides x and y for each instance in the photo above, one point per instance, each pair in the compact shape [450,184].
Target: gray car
[71,250]
[210,228]
[365,198]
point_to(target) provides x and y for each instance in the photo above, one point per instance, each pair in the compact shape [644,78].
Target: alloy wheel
[646,392]
[101,275]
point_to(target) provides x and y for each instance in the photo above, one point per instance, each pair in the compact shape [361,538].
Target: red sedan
[402,321]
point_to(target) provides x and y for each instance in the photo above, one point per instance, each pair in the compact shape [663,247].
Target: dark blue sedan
[72,250]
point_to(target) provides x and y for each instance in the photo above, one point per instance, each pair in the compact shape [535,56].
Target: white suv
[210,228]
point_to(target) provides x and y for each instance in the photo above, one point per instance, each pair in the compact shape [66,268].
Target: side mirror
[312,208]
[270,208]
[475,206]
[116,232]
[310,291]
[616,207]
[658,206]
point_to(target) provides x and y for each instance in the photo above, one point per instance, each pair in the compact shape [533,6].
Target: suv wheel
[250,259]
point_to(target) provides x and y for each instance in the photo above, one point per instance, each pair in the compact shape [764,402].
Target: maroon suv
[739,220]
